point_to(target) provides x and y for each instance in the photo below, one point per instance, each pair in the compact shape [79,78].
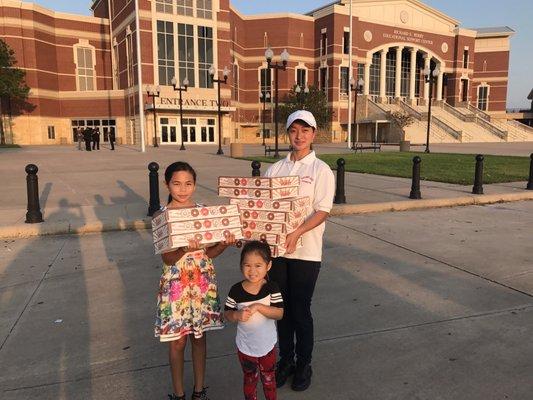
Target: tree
[13,88]
[315,101]
[402,120]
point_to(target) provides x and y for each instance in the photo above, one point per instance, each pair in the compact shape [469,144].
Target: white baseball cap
[303,115]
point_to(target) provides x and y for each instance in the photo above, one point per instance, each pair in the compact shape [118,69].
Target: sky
[470,13]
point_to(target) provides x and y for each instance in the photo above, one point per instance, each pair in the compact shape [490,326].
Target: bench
[361,147]
[270,149]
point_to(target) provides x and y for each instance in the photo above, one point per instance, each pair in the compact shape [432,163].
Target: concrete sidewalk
[105,190]
[433,304]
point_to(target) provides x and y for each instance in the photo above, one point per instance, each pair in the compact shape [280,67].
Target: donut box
[277,250]
[292,204]
[171,242]
[251,192]
[258,182]
[197,225]
[264,226]
[194,213]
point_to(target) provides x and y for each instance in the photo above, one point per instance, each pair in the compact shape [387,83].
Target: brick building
[84,71]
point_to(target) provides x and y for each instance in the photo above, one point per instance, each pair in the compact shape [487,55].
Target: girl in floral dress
[188,303]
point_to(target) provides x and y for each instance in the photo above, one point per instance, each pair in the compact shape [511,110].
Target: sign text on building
[407,36]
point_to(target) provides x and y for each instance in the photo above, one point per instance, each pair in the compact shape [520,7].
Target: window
[324,44]
[129,59]
[204,9]
[301,77]
[483,97]
[390,74]
[344,81]
[184,7]
[164,6]
[186,53]
[205,55]
[360,71]
[465,59]
[405,74]
[266,83]
[51,132]
[165,52]
[85,68]
[375,74]
[346,43]
[324,79]
[235,82]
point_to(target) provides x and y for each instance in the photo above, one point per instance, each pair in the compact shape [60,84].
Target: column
[427,60]
[383,74]
[398,77]
[439,83]
[412,75]
[366,78]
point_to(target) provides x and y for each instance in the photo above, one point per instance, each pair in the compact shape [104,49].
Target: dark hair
[177,167]
[260,248]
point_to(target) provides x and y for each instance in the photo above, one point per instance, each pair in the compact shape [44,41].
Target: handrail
[448,129]
[478,112]
[521,126]
[492,128]
[454,112]
[410,110]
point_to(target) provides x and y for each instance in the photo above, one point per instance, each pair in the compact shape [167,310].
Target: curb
[65,228]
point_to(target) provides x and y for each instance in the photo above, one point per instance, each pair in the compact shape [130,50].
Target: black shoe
[201,395]
[302,378]
[284,369]
[176,397]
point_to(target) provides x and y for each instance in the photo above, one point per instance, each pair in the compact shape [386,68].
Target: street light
[212,71]
[153,92]
[181,88]
[264,98]
[269,54]
[430,76]
[357,89]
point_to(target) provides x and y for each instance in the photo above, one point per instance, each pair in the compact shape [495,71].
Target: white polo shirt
[318,183]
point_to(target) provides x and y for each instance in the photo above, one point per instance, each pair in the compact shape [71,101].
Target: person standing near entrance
[96,139]
[297,271]
[112,138]
[87,135]
[79,137]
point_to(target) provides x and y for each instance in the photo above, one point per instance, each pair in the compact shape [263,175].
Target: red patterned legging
[253,367]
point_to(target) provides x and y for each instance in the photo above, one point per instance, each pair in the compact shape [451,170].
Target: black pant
[87,145]
[296,279]
[112,144]
[96,145]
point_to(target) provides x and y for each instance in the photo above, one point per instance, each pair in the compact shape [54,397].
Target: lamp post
[212,71]
[264,96]
[276,67]
[357,89]
[430,75]
[153,92]
[181,88]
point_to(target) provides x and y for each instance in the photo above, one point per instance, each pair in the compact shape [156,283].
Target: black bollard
[415,185]
[153,177]
[530,181]
[34,215]
[340,197]
[478,179]
[256,168]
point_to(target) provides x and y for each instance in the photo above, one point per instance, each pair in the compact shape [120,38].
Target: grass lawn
[439,167]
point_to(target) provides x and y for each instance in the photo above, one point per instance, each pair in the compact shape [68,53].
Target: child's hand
[194,245]
[230,240]
[244,314]
[256,307]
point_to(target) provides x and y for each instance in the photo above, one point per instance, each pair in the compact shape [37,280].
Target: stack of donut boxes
[270,208]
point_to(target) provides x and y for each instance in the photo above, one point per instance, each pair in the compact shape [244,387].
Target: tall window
[344,81]
[375,68]
[164,6]
[184,7]
[235,82]
[324,79]
[129,59]
[360,71]
[465,59]
[266,82]
[483,97]
[205,55]
[204,9]
[390,73]
[165,52]
[301,77]
[405,74]
[346,43]
[324,44]
[186,53]
[85,68]
[51,132]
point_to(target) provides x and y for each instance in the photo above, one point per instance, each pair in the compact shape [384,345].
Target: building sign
[194,104]
[407,36]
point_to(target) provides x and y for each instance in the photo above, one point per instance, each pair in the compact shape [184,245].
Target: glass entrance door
[168,131]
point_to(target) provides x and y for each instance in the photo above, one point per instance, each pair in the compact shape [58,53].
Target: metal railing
[492,128]
[446,128]
[456,113]
[478,112]
[521,126]
[410,110]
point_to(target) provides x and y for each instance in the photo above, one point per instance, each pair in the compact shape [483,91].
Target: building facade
[95,71]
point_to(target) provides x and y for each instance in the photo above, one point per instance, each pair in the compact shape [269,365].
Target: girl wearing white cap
[297,271]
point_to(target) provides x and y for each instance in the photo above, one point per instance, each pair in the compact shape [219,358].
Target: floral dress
[188,302]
